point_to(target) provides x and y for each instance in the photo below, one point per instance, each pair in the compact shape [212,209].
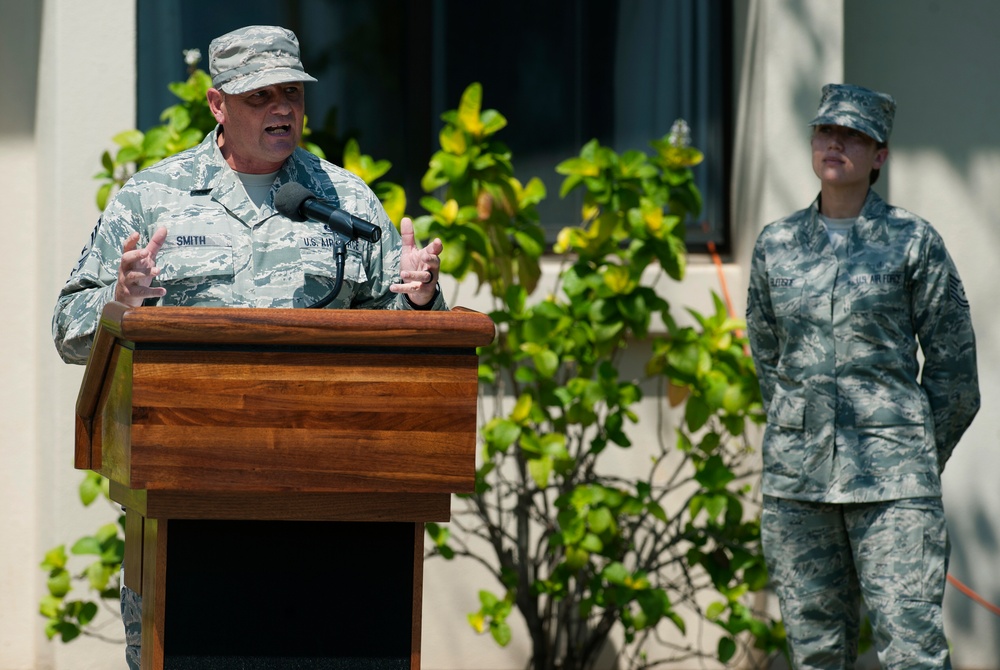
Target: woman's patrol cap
[856,107]
[254,57]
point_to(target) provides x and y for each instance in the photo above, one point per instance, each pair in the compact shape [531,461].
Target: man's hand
[137,269]
[418,268]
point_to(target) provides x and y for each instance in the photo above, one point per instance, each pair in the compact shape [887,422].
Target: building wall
[78,90]
[84,95]
[20,27]
[939,60]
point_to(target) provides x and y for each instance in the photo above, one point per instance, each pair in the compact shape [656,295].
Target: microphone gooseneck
[296,202]
[289,201]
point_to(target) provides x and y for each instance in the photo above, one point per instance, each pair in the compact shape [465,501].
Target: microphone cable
[340,257]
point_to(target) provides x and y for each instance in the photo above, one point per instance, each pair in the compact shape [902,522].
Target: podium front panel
[262,595]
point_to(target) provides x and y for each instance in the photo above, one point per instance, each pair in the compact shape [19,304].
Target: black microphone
[297,203]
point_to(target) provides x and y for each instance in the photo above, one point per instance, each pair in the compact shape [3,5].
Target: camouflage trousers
[823,558]
[131,605]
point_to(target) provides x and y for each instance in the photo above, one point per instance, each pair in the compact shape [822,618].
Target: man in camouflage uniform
[841,294]
[200,228]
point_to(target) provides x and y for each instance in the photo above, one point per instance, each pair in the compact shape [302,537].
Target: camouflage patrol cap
[856,107]
[254,57]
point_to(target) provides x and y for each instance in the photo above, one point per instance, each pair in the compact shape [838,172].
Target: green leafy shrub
[577,548]
[69,618]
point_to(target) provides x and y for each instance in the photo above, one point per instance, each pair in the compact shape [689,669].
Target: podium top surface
[457,328]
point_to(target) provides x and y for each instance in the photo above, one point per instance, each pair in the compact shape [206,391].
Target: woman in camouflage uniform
[841,295]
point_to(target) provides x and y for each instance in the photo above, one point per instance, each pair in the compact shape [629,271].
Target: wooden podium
[277,468]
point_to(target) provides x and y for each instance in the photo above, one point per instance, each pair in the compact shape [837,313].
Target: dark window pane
[562,71]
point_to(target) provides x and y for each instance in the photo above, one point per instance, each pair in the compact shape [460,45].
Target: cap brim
[847,121]
[257,80]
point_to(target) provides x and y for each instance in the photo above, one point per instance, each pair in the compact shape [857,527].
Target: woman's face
[845,157]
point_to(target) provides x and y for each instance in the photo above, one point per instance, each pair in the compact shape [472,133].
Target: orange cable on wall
[972,595]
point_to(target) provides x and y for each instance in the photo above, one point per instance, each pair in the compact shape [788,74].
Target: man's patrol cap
[856,107]
[254,57]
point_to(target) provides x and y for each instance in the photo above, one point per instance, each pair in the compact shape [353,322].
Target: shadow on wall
[20,42]
[938,59]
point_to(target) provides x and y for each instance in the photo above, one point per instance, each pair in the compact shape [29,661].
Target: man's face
[262,127]
[844,156]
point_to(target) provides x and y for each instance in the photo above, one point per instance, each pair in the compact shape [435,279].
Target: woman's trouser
[823,558]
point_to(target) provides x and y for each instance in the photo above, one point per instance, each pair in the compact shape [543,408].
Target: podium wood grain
[266,415]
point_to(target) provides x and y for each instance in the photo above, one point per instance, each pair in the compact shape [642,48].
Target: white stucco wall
[19,456]
[939,60]
[86,85]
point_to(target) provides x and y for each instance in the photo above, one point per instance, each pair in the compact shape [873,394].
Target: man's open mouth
[278,130]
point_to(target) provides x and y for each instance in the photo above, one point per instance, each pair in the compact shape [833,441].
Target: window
[562,71]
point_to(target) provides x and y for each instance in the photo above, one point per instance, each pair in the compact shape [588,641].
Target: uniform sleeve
[761,332]
[943,325]
[91,284]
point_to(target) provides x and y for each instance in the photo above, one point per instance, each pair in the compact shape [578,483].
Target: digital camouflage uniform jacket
[851,418]
[221,252]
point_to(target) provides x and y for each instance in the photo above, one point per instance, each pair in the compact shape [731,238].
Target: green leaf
[103,193]
[68,631]
[87,545]
[715,505]
[578,166]
[156,141]
[468,109]
[601,520]
[522,409]
[547,362]
[192,136]
[49,606]
[180,119]
[530,243]
[129,138]
[714,474]
[727,649]
[592,543]
[696,413]
[454,257]
[59,583]
[55,558]
[500,632]
[655,604]
[488,600]
[755,577]
[129,154]
[576,558]
[715,610]
[453,140]
[493,121]
[87,613]
[98,575]
[657,512]
[540,470]
[90,488]
[501,433]
[615,573]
